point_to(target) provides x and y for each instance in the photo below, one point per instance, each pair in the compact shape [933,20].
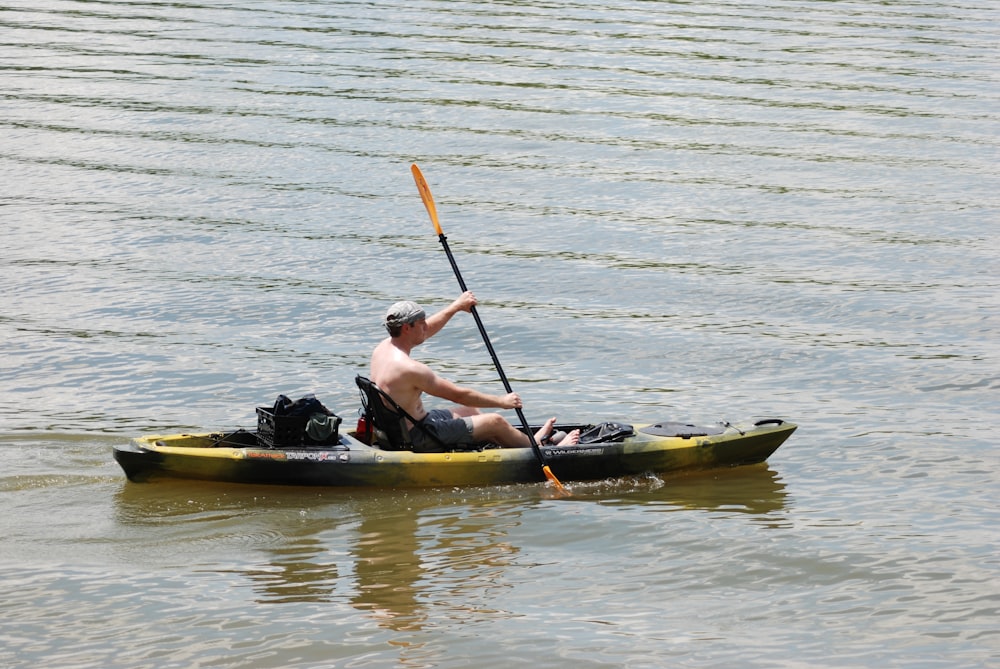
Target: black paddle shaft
[489,347]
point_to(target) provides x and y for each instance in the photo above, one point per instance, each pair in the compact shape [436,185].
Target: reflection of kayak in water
[754,489]
[606,450]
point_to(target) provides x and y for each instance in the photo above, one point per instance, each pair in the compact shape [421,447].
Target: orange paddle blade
[425,195]
[552,477]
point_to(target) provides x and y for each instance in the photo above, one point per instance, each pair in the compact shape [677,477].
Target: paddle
[425,195]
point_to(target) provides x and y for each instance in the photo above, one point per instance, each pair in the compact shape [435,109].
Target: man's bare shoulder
[393,367]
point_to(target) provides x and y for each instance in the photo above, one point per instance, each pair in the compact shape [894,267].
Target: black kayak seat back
[387,417]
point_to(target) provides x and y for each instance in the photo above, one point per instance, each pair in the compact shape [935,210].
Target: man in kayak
[406,380]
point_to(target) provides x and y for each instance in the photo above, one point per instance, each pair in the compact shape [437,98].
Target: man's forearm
[441,318]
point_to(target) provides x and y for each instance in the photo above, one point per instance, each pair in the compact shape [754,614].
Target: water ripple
[668,210]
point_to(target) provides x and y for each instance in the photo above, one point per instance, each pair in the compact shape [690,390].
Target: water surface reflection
[389,554]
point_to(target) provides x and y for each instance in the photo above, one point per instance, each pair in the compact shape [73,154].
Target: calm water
[668,210]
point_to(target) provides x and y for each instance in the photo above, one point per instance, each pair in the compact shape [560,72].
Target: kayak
[606,450]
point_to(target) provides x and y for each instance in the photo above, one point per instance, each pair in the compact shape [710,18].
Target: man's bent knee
[488,425]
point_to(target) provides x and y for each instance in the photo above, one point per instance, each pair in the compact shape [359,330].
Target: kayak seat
[388,418]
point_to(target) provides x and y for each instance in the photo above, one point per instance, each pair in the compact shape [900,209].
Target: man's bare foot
[546,432]
[571,439]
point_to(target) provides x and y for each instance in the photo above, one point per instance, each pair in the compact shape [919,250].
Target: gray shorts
[443,425]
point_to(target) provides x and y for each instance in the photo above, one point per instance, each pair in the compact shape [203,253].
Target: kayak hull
[237,458]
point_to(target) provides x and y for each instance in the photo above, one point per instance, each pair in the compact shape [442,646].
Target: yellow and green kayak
[607,450]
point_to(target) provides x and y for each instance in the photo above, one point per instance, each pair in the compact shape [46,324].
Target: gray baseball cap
[404,312]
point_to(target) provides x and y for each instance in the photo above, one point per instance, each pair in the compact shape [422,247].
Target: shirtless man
[406,380]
